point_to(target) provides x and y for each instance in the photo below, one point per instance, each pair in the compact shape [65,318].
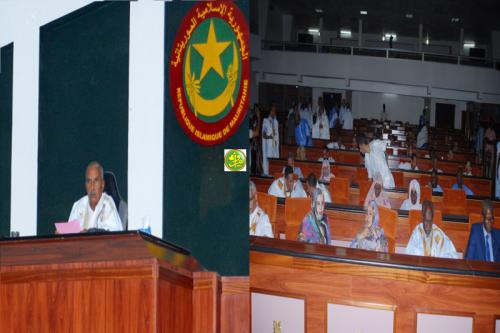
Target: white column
[23,215]
[145,137]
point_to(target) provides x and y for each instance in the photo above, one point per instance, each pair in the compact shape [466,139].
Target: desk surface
[85,247]
[375,259]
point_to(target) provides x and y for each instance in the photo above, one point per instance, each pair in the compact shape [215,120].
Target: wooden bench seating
[354,157]
[479,185]
[396,196]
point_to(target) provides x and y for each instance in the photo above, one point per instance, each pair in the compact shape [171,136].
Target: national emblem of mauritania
[209,85]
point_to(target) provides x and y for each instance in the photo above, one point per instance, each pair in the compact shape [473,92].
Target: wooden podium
[114,282]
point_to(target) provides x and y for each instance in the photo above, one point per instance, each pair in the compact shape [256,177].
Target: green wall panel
[83,105]
[205,209]
[6,62]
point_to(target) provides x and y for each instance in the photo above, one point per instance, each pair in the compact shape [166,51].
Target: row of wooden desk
[481,186]
[396,196]
[316,289]
[354,157]
[346,220]
[441,153]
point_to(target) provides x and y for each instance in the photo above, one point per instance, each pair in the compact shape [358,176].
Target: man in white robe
[428,239]
[270,139]
[286,186]
[375,161]
[343,108]
[259,221]
[347,120]
[321,128]
[96,210]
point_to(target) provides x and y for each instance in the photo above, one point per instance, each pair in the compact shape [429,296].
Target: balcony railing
[380,52]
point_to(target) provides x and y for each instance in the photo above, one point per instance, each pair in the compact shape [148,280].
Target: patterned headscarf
[314,200]
[376,215]
[382,199]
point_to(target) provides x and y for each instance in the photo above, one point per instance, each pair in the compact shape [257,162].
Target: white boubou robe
[321,129]
[278,189]
[347,120]
[437,244]
[259,224]
[105,216]
[375,162]
[270,147]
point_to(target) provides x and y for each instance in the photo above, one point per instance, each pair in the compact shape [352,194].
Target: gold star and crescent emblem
[211,52]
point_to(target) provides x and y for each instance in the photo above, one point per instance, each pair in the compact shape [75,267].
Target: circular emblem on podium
[209,72]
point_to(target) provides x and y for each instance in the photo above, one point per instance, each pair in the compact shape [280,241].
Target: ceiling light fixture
[363,12]
[469,44]
[319,10]
[313,31]
[455,19]
[345,33]
[409,16]
[387,36]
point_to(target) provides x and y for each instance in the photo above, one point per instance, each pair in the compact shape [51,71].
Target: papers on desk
[71,227]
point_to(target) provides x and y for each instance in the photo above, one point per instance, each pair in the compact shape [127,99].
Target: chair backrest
[111,188]
[269,204]
[444,183]
[424,180]
[364,187]
[477,217]
[339,190]
[415,217]
[389,221]
[361,175]
[398,179]
[454,201]
[295,211]
[277,175]
[425,193]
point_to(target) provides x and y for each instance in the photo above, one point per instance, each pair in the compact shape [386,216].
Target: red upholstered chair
[277,175]
[389,221]
[364,187]
[415,217]
[454,202]
[269,204]
[339,190]
[425,193]
[424,180]
[295,211]
[398,179]
[445,183]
